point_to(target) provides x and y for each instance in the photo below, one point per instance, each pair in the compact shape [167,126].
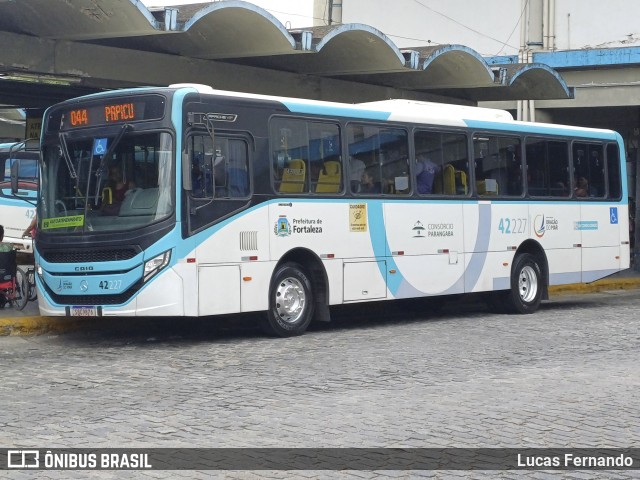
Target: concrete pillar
[535,35]
[327,12]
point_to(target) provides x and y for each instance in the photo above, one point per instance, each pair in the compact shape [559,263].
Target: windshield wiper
[66,156]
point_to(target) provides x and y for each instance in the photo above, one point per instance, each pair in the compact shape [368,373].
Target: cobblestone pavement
[568,376]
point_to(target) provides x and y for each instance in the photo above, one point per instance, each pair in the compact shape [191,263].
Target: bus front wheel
[526,285]
[291,302]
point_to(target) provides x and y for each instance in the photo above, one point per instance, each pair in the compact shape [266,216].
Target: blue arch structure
[528,76]
[457,66]
[249,14]
[353,48]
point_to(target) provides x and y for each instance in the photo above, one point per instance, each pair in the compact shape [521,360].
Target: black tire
[21,296]
[291,302]
[526,285]
[31,280]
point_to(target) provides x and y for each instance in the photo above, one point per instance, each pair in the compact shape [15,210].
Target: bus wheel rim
[528,284]
[290,300]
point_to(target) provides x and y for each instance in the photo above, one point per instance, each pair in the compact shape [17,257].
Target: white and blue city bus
[17,208]
[227,202]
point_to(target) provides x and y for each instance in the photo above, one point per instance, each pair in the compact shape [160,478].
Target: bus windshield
[120,181]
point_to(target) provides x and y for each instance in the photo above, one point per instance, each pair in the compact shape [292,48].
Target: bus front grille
[89,255]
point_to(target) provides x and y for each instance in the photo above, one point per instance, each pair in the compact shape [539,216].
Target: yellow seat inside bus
[293,177]
[107,196]
[329,178]
[455,181]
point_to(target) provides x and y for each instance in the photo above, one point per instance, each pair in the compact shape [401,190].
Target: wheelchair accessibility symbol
[613,215]
[99,146]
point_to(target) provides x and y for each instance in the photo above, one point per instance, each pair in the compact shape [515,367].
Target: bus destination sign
[108,113]
[112,113]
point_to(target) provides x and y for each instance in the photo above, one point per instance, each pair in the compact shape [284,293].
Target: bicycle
[14,288]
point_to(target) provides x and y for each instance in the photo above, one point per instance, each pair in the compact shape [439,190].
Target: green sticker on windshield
[62,222]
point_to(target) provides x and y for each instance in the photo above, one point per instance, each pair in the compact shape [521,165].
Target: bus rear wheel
[526,285]
[291,303]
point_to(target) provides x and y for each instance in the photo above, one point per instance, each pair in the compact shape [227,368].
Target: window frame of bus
[154,109]
[276,182]
[618,172]
[589,143]
[378,163]
[463,134]
[568,165]
[498,135]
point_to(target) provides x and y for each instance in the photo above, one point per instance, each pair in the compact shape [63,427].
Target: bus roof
[414,111]
[400,110]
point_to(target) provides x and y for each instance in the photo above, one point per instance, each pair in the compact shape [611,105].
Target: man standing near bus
[30,231]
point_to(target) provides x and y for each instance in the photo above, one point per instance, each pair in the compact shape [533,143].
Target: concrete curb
[598,286]
[36,325]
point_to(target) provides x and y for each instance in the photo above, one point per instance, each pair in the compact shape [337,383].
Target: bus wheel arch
[301,278]
[529,278]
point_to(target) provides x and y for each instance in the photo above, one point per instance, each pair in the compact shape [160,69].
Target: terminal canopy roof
[56,49]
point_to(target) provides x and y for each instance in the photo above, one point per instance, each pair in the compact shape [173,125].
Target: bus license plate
[84,311]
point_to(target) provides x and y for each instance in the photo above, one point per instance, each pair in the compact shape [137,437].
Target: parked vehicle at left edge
[18,209]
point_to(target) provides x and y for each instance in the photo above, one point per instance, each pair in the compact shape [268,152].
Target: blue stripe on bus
[176,119]
[380,244]
[397,284]
[523,127]
[336,111]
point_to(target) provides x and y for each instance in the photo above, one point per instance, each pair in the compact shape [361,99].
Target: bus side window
[547,167]
[498,166]
[200,156]
[588,169]
[613,171]
[440,166]
[325,166]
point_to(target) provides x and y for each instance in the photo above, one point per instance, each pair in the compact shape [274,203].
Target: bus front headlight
[153,266]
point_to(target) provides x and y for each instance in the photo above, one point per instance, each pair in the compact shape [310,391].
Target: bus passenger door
[600,228]
[599,221]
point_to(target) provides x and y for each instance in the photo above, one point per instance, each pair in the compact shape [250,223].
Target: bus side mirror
[32,145]
[15,169]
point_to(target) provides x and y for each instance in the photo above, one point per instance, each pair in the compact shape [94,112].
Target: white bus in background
[18,209]
[246,203]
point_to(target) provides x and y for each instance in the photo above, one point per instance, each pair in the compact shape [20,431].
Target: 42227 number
[512,226]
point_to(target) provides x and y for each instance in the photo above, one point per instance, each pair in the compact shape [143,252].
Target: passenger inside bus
[426,171]
[368,183]
[115,191]
[582,187]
